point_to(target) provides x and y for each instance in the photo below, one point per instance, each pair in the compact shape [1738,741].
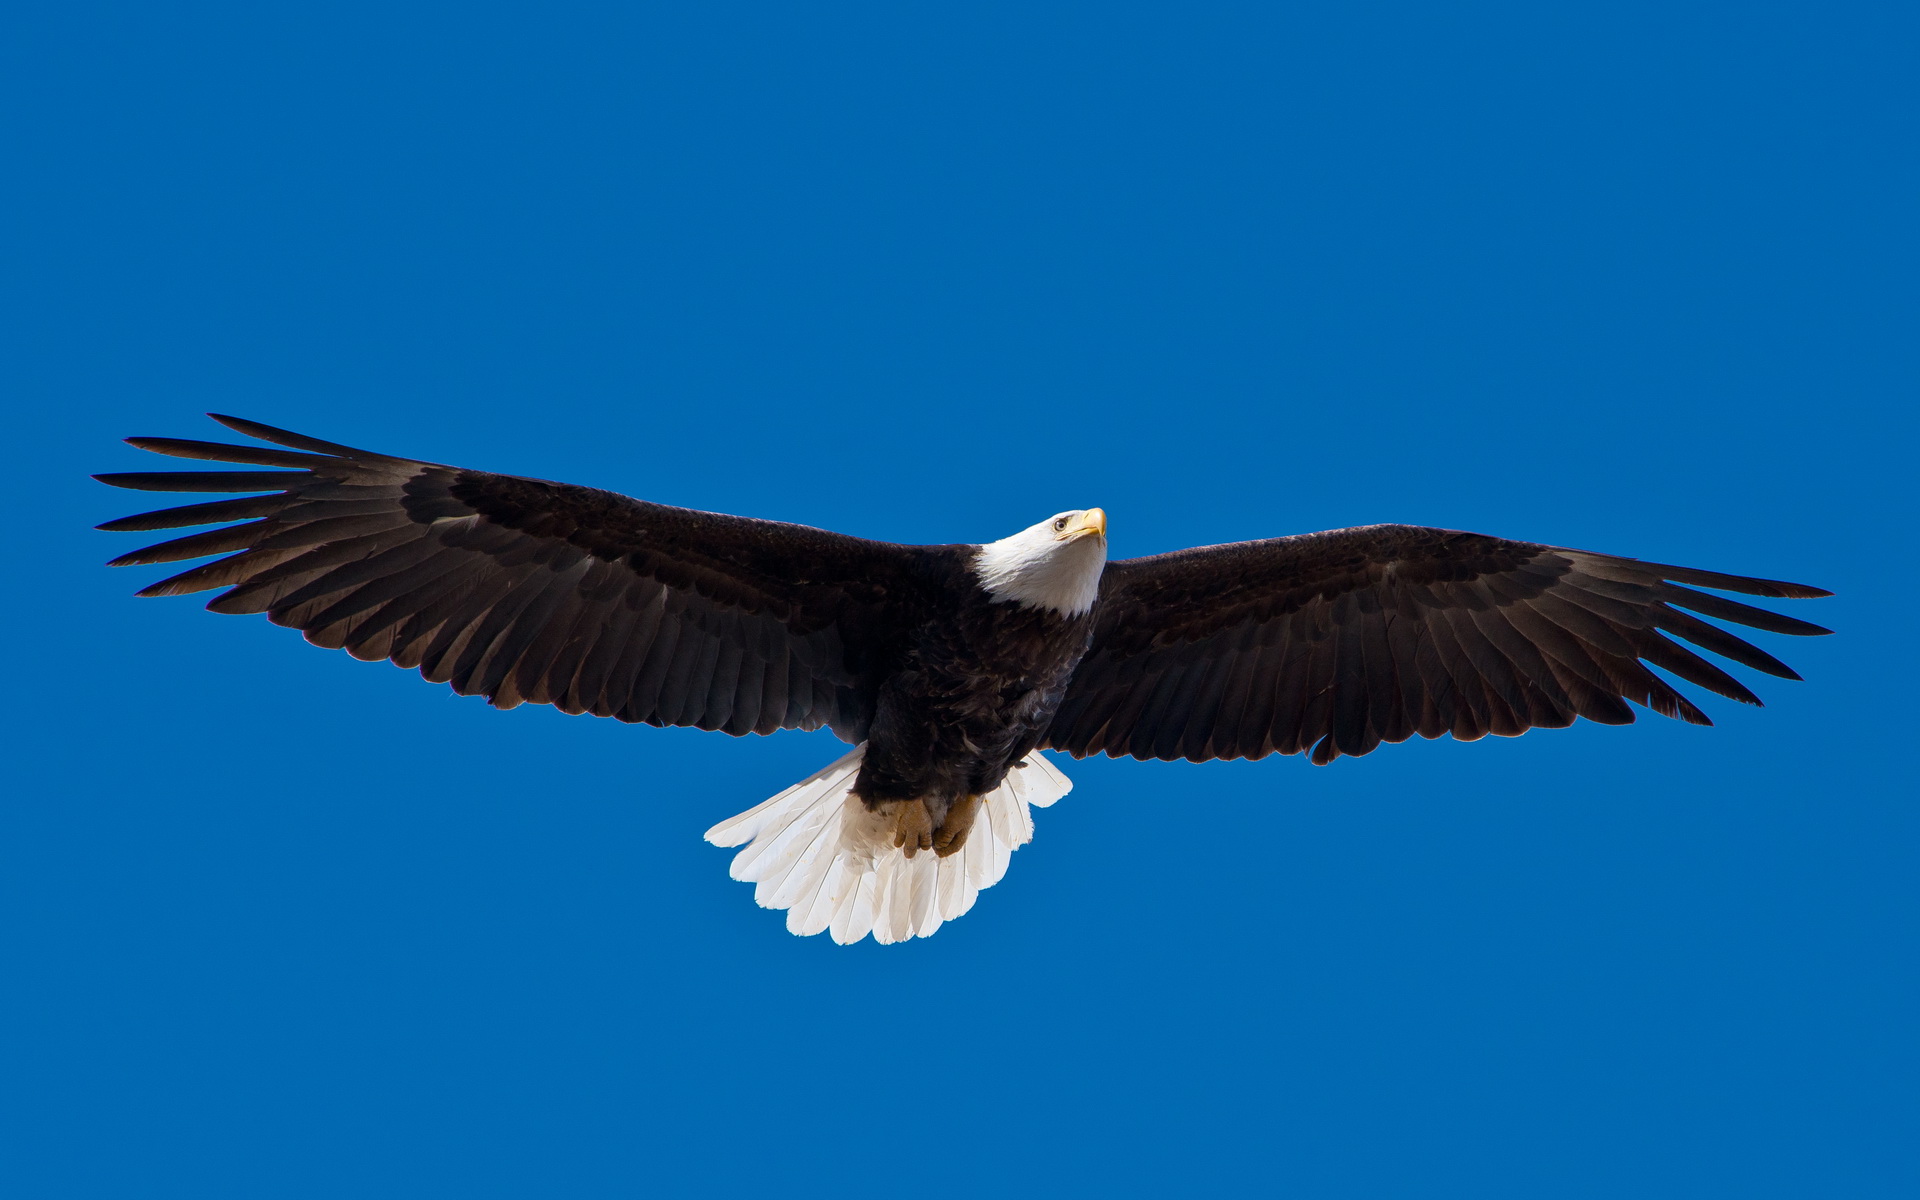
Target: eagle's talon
[952,834]
[912,827]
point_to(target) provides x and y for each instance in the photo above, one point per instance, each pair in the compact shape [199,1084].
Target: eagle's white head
[1054,565]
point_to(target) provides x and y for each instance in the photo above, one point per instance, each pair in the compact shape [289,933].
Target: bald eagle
[947,668]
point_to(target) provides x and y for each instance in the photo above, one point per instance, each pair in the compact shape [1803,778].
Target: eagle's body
[967,698]
[983,665]
[947,667]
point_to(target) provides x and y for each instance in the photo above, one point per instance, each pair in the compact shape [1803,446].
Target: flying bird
[947,668]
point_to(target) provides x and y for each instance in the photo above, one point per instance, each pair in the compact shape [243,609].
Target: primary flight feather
[947,667]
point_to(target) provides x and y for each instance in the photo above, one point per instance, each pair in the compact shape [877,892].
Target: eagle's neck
[1032,569]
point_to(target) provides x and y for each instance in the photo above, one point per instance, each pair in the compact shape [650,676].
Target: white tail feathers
[818,852]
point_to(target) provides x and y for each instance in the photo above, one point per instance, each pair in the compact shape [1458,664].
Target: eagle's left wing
[1338,641]
[529,590]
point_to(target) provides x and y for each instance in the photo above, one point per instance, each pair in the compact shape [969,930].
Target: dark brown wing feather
[525,590]
[1336,642]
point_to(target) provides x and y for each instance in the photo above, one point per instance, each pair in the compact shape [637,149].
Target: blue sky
[1630,277]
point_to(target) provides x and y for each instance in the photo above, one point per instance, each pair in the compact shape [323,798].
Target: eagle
[948,669]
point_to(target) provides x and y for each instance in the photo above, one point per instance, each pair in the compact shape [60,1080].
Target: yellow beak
[1094,520]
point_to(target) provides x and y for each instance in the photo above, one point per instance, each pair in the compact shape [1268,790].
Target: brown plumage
[1335,642]
[526,590]
[949,666]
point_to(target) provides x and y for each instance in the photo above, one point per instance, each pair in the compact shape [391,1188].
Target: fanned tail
[816,851]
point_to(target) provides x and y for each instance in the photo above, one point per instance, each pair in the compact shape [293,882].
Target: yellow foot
[952,834]
[912,827]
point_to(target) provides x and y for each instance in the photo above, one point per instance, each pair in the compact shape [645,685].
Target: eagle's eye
[1059,523]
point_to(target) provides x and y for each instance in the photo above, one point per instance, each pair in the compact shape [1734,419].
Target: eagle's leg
[952,834]
[912,825]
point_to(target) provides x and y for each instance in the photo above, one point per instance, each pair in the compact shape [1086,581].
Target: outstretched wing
[1339,641]
[525,590]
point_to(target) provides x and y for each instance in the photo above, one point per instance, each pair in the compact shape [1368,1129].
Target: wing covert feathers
[525,590]
[814,851]
[1332,643]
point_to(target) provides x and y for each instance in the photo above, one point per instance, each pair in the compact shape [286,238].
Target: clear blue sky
[1631,277]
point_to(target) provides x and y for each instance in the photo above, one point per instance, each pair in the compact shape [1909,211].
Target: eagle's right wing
[526,590]
[1335,642]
